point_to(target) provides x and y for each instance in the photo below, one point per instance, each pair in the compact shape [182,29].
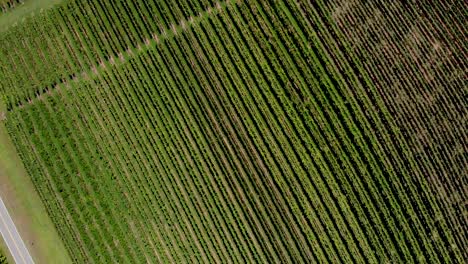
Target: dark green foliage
[206,132]
[3,259]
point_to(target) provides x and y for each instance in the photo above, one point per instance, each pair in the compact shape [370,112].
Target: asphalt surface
[12,238]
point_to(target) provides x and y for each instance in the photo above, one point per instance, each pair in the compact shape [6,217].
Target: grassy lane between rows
[25,206]
[22,10]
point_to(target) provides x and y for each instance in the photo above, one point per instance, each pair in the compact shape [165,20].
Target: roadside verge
[25,206]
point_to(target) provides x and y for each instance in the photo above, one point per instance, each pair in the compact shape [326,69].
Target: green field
[26,209]
[22,10]
[228,132]
[3,255]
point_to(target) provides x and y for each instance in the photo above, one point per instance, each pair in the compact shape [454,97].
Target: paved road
[12,238]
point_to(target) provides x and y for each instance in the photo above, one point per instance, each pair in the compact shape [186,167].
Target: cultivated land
[25,206]
[236,131]
[22,10]
[430,104]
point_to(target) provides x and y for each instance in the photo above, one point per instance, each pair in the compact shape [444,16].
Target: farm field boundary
[5,255]
[25,206]
[22,11]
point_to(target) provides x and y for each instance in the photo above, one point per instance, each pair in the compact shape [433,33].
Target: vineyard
[10,3]
[244,131]
[7,5]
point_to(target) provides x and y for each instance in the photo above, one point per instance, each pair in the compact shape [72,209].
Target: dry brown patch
[414,62]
